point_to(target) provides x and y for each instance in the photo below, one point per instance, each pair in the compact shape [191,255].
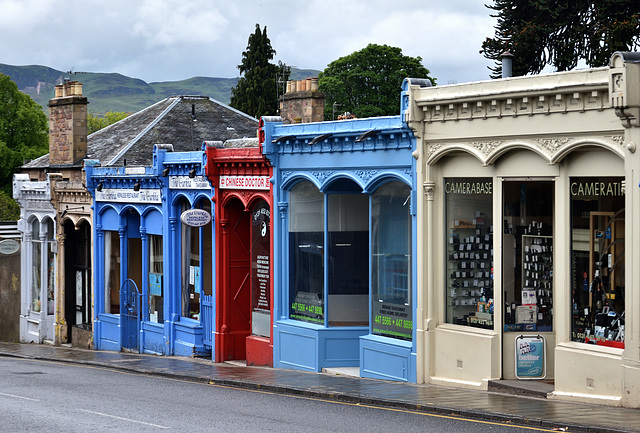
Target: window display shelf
[470,270]
[537,282]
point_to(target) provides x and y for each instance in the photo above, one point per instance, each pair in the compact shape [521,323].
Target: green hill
[115,92]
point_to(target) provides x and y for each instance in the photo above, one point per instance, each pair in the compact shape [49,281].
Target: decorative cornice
[446,105]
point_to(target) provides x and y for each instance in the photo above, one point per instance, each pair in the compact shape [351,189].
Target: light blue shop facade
[344,245]
[154,274]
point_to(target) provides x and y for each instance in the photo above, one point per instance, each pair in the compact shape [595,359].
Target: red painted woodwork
[233,260]
[236,293]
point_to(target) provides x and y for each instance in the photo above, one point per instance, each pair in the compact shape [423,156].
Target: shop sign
[244,182]
[392,320]
[129,195]
[186,182]
[530,357]
[595,188]
[9,246]
[468,187]
[260,257]
[195,217]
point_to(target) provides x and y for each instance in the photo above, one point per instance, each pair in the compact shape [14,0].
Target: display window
[51,277]
[597,260]
[112,271]
[391,261]
[261,269]
[156,277]
[527,259]
[306,253]
[348,273]
[36,267]
[196,262]
[469,251]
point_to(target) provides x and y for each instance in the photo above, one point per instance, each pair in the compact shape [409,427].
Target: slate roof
[167,121]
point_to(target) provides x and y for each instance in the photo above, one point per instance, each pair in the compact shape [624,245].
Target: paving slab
[487,405]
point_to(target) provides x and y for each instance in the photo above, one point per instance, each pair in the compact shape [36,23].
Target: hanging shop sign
[195,217]
[244,182]
[530,357]
[9,246]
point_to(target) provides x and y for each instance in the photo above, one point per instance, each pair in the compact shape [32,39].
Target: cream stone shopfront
[529,231]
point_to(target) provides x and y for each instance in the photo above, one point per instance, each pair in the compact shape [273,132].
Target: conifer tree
[540,33]
[256,93]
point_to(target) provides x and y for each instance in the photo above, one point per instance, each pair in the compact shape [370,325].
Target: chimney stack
[67,124]
[302,103]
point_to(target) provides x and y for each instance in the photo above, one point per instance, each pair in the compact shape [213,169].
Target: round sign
[195,217]
[9,246]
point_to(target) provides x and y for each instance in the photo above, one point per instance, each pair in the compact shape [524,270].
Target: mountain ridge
[112,91]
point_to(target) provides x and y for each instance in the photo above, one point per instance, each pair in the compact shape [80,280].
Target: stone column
[624,91]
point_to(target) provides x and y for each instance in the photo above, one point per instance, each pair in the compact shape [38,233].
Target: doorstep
[527,388]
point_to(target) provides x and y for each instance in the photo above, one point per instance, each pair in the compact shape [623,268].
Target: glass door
[527,275]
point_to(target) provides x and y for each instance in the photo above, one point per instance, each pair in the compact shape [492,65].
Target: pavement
[507,405]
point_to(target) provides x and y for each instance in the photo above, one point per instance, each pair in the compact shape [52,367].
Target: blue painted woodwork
[206,319]
[134,221]
[129,315]
[341,156]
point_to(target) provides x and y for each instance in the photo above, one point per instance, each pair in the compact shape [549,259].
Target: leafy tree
[559,33]
[23,131]
[256,91]
[9,208]
[95,122]
[367,83]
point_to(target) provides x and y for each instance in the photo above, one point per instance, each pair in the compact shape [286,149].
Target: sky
[170,40]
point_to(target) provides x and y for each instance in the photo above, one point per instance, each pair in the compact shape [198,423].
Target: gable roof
[184,121]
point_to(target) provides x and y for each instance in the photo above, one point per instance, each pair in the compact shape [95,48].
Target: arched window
[36,267]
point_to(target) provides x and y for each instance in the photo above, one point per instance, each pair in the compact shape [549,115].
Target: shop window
[207,249]
[306,253]
[51,277]
[348,273]
[112,272]
[260,269]
[597,260]
[391,261]
[196,263]
[36,267]
[527,260]
[469,251]
[156,276]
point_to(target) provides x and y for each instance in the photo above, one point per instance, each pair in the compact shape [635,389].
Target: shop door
[129,315]
[527,279]
[77,293]
[131,298]
[236,288]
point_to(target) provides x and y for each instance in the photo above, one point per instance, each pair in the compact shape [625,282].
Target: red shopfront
[244,294]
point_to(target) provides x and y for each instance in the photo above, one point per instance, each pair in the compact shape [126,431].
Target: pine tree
[256,93]
[559,33]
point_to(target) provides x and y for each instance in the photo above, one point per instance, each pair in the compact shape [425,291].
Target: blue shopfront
[344,256]
[153,254]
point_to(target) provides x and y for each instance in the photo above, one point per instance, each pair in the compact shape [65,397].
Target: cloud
[165,40]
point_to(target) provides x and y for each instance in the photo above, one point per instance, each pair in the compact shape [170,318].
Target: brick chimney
[67,124]
[302,103]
